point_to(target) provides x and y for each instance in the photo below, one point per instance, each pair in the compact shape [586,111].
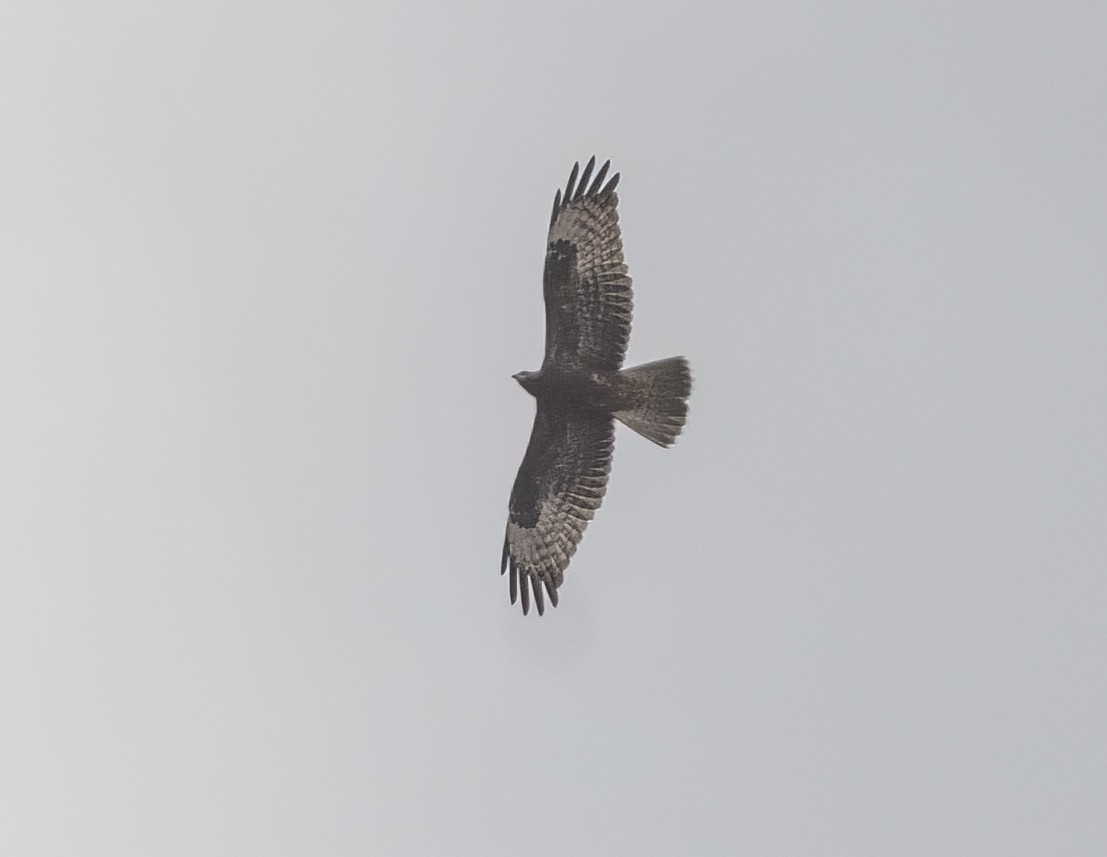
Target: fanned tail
[657,398]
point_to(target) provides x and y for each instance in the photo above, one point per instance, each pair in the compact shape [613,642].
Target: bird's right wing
[585,281]
[560,484]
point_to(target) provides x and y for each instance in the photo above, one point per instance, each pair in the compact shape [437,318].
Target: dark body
[576,389]
[581,390]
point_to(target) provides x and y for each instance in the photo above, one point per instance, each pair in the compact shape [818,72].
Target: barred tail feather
[657,399]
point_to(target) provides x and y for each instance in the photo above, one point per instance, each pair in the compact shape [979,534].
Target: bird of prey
[581,388]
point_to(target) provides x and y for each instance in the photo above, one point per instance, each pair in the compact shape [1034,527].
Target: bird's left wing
[560,484]
[585,281]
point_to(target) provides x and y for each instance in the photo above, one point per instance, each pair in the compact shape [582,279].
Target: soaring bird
[582,388]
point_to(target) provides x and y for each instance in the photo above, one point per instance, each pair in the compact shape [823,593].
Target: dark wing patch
[586,286]
[560,484]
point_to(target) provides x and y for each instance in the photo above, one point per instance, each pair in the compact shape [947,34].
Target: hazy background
[266,270]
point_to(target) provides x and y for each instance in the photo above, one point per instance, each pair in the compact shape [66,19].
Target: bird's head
[527,380]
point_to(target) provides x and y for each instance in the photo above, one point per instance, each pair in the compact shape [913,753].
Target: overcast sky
[266,271]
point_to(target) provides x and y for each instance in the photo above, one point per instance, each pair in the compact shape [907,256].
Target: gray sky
[266,272]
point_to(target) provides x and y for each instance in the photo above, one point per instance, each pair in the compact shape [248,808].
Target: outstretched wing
[585,282]
[560,484]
